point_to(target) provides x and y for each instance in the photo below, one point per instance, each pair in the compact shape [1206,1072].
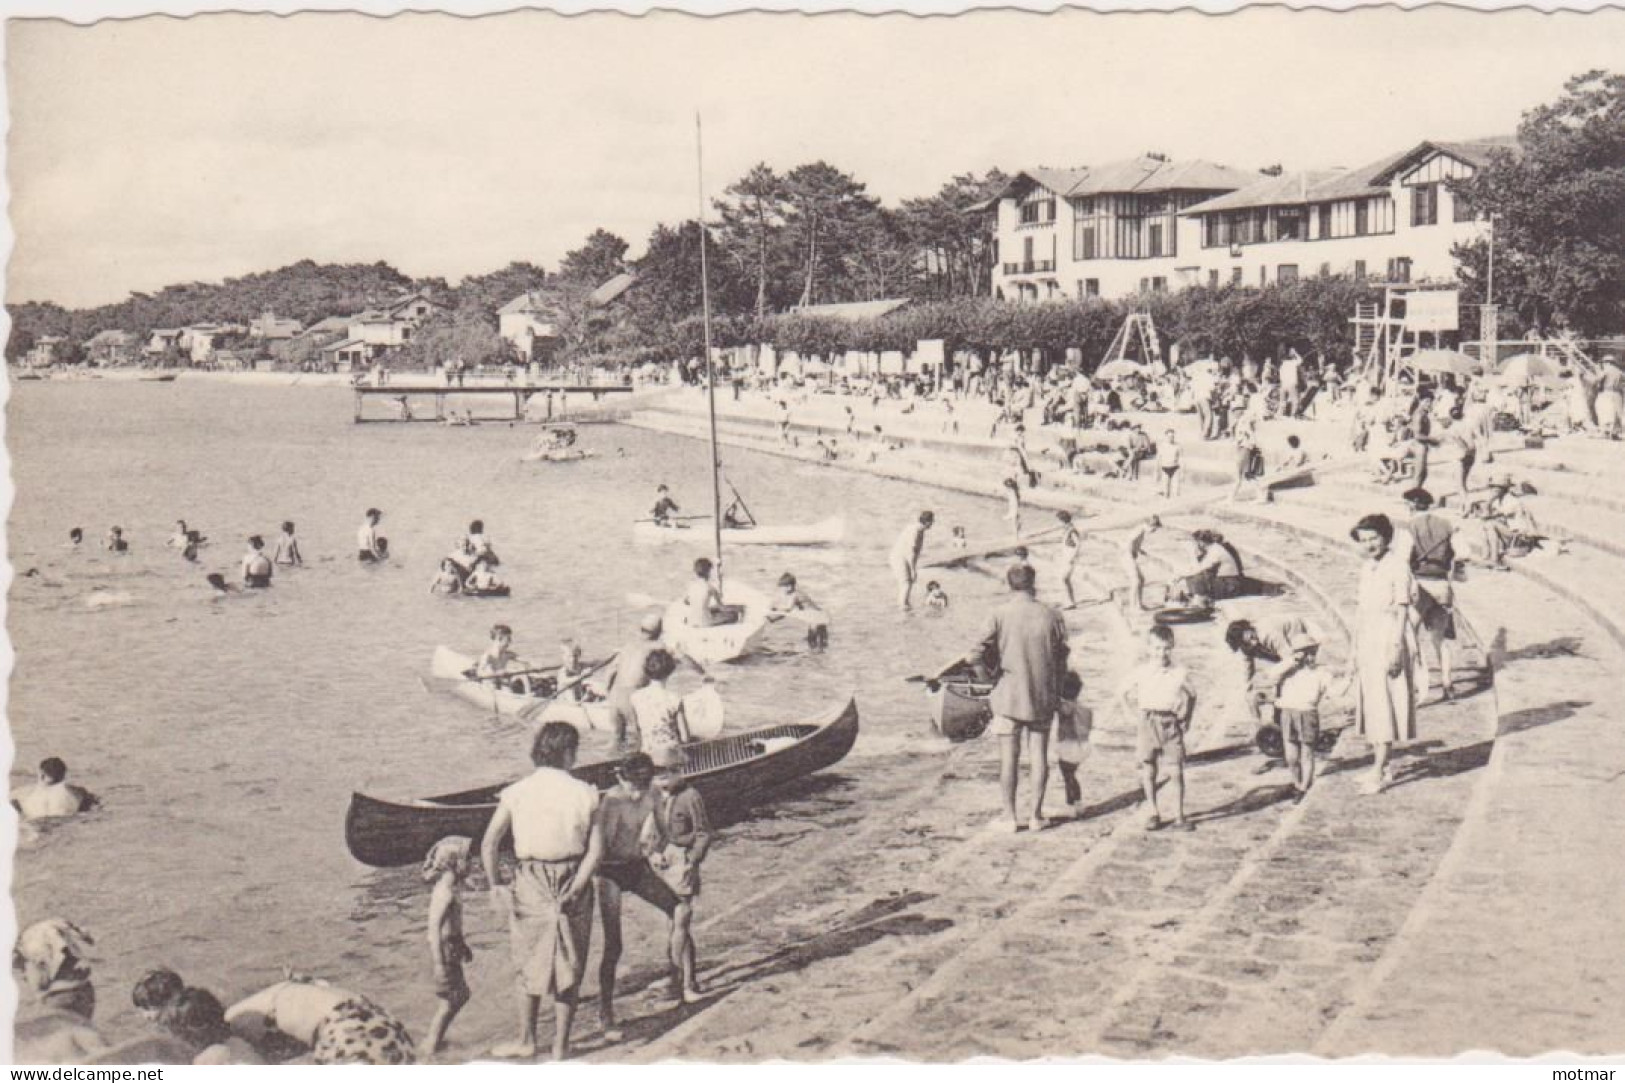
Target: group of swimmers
[467,569]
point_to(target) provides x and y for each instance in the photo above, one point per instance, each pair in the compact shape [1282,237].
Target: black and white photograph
[760,536]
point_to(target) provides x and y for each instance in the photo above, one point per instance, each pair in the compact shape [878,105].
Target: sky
[155,151]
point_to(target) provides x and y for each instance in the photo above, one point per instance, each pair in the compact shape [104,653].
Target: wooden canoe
[959,707]
[731,773]
[449,665]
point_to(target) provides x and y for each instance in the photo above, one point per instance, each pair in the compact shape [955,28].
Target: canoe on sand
[731,773]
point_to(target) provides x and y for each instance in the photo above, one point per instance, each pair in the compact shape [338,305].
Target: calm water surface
[225,737]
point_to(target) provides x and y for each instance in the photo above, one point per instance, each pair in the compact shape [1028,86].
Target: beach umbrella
[1530,368]
[1116,370]
[1449,362]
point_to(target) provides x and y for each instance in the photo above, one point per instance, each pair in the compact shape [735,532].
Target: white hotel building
[1151,225]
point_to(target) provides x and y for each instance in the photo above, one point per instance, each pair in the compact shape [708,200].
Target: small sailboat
[710,643]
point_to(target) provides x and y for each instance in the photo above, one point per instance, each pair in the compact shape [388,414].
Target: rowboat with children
[518,697]
[731,773]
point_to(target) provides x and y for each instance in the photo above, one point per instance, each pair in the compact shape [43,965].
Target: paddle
[543,704]
[673,519]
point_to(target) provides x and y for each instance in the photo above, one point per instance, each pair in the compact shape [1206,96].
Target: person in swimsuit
[1133,546]
[704,601]
[76,538]
[481,580]
[450,579]
[665,507]
[1066,559]
[115,542]
[256,565]
[631,836]
[1168,462]
[905,556]
[499,660]
[447,867]
[369,546]
[790,599]
[53,795]
[287,548]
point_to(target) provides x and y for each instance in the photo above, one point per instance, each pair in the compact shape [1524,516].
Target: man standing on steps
[1025,643]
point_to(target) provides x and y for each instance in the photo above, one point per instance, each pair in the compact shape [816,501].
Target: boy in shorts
[1304,687]
[686,829]
[1159,694]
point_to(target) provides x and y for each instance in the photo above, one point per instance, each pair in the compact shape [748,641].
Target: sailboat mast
[710,372]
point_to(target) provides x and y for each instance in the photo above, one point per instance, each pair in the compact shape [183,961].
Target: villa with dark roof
[1150,224]
[1394,220]
[1101,231]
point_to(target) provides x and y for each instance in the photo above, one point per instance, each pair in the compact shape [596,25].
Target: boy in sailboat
[664,507]
[704,600]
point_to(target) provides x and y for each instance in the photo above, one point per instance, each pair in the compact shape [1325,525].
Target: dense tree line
[814,235]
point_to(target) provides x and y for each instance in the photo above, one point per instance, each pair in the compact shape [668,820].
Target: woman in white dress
[1384,647]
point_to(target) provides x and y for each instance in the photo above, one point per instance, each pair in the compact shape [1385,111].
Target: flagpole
[710,373]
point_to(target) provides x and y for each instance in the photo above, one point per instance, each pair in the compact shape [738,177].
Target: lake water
[225,737]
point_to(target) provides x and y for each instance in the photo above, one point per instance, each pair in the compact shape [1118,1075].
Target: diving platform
[429,402]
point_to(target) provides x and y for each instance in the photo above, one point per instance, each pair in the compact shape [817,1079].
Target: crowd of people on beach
[577,852]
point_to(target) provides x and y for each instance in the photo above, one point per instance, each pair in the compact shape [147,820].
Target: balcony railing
[1032,266]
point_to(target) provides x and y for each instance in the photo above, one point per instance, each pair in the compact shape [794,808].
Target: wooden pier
[434,410]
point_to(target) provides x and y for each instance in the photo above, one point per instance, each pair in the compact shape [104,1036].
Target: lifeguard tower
[1137,334]
[1387,333]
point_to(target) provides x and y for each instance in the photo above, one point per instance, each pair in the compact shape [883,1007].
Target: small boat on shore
[731,773]
[157,377]
[499,697]
[959,706]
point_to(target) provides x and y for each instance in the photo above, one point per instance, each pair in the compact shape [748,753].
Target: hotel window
[1362,218]
[1286,274]
[1159,285]
[1039,210]
[1359,270]
[1091,287]
[1289,224]
[1325,220]
[1425,205]
[1213,279]
[1325,270]
[1235,276]
[1154,241]
[1087,248]
[1263,276]
[1399,269]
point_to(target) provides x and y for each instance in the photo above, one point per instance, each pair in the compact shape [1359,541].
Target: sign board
[1431,310]
[929,353]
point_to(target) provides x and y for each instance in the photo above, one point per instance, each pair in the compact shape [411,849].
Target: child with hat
[1302,690]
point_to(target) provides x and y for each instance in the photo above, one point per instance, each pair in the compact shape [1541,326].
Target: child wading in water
[1303,687]
[1159,693]
[447,866]
[1073,724]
